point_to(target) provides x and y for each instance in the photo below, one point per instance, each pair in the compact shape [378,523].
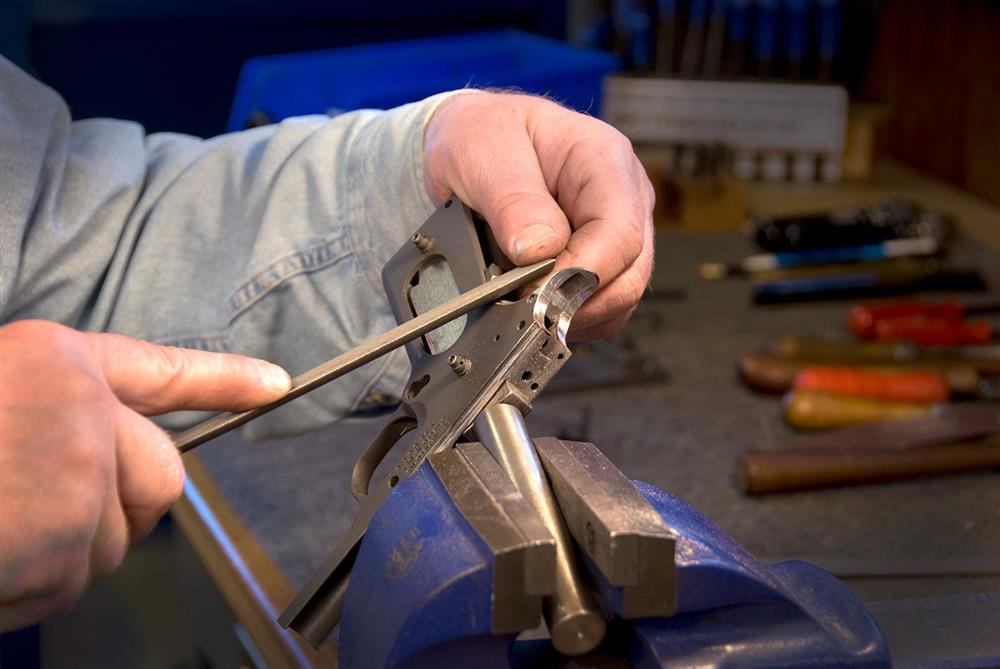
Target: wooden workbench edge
[250,582]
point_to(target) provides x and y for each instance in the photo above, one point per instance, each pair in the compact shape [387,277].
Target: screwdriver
[927,275]
[864,318]
[818,410]
[774,374]
[789,469]
[764,262]
[935,331]
[917,385]
[986,359]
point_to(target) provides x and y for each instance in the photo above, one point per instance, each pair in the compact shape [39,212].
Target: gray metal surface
[683,436]
[524,552]
[575,623]
[956,632]
[614,524]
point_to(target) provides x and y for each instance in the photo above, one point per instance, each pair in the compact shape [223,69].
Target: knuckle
[36,329]
[168,363]
[110,556]
[173,475]
[50,577]
[632,291]
[613,137]
[87,431]
[168,369]
[76,523]
[629,249]
[648,190]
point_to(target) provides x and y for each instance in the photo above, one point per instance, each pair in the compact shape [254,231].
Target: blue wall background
[174,64]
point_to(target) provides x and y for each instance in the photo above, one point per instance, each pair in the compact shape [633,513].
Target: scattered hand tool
[903,278]
[936,332]
[863,319]
[755,264]
[917,385]
[891,219]
[770,373]
[956,423]
[788,470]
[986,359]
[956,440]
[817,410]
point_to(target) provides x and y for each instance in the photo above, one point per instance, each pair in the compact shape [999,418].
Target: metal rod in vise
[575,622]
[374,348]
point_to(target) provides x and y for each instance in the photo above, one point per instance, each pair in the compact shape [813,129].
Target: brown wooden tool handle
[985,359]
[816,349]
[786,470]
[767,373]
[817,410]
[962,379]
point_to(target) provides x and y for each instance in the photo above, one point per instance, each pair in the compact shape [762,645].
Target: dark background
[173,64]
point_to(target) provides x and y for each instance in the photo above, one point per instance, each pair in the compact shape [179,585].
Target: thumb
[527,223]
[500,177]
[153,379]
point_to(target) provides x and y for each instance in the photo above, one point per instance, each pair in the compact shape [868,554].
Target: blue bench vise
[452,573]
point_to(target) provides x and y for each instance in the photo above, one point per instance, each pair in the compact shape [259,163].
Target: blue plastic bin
[390,74]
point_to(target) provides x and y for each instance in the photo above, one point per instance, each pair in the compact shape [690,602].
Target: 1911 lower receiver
[505,351]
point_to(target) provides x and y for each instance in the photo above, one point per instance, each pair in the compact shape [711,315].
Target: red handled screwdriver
[935,331]
[864,318]
[924,386]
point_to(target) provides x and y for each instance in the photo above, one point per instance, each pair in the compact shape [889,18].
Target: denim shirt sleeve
[268,242]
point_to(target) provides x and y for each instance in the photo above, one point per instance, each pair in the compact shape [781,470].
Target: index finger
[155,379]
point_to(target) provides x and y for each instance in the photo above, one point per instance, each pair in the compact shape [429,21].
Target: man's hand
[552,183]
[82,472]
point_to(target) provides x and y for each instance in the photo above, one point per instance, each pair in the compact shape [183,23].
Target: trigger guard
[372,457]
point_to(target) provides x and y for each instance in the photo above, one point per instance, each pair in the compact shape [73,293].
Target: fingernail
[531,236]
[273,377]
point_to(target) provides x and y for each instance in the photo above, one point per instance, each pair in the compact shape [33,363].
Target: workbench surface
[289,499]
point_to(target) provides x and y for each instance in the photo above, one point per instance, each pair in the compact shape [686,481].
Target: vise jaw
[454,565]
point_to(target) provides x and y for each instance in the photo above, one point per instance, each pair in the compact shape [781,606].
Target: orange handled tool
[935,331]
[923,386]
[773,374]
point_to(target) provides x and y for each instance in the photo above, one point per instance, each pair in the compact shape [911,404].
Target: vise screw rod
[575,622]
[374,348]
